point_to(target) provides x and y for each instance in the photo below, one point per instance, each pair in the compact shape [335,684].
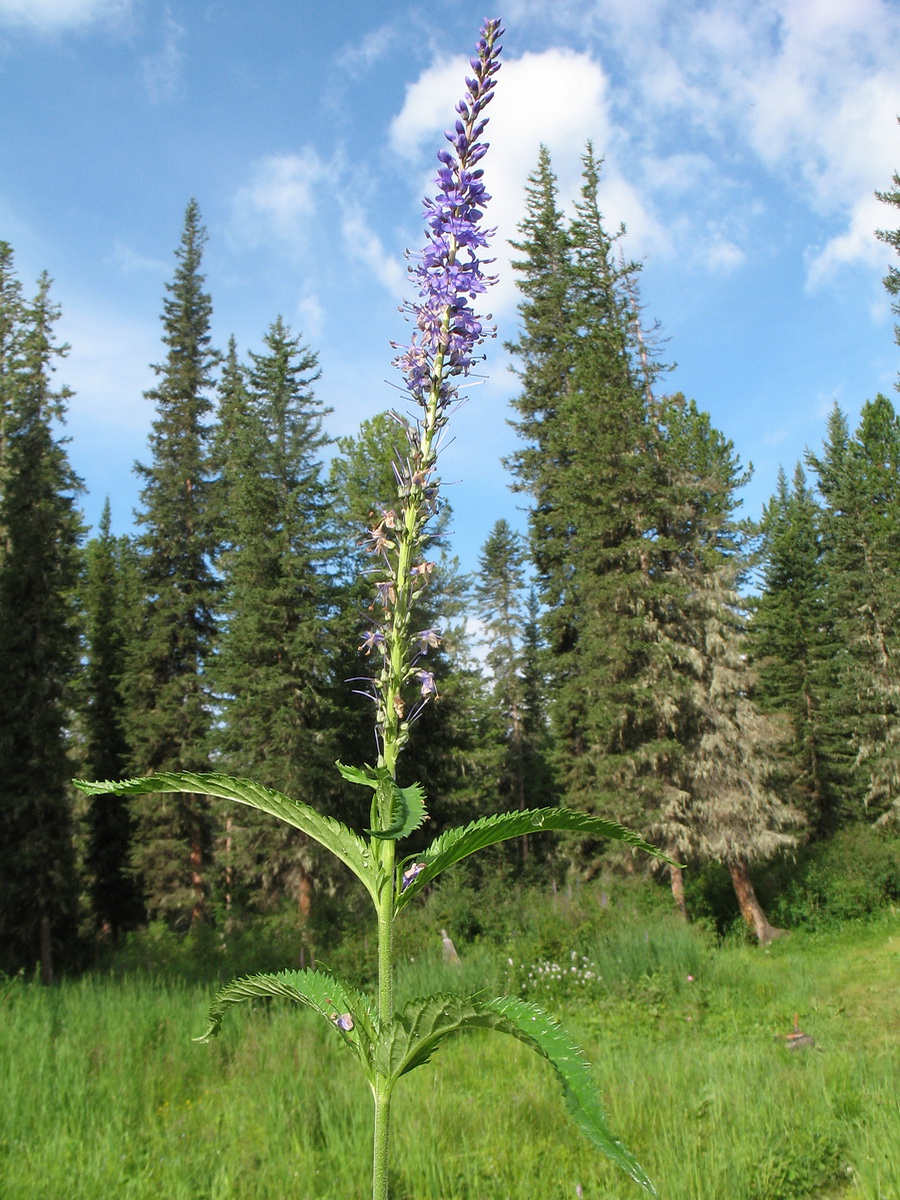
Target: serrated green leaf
[414,1034]
[346,845]
[406,805]
[459,843]
[318,990]
[408,808]
[537,1029]
[363,776]
[417,1031]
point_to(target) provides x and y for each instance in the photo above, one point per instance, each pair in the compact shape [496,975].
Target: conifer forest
[726,687]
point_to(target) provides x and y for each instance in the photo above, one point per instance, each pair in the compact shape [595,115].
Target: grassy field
[106,1097]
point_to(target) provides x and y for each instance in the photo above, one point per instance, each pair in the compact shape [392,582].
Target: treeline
[625,672]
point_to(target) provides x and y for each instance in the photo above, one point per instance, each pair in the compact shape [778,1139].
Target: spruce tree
[631,532]
[10,337]
[39,562]
[273,669]
[723,802]
[169,709]
[796,653]
[858,478]
[736,814]
[592,464]
[509,618]
[107,602]
[499,598]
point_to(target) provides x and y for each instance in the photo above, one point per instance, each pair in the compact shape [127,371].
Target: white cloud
[280,201]
[128,261]
[558,97]
[362,244]
[50,15]
[807,90]
[162,71]
[856,244]
[310,317]
[721,256]
[824,103]
[359,56]
[108,370]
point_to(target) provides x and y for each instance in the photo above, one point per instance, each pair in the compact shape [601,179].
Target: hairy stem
[382,1092]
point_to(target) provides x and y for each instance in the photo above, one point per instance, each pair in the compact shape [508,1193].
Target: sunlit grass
[105,1095]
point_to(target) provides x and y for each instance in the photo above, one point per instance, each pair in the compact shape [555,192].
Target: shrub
[852,877]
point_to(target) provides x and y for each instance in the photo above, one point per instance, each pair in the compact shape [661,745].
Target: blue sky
[743,140]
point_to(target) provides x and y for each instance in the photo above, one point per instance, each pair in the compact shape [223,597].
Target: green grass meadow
[105,1096]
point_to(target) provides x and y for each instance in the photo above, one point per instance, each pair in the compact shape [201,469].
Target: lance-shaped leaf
[416,1032]
[346,845]
[349,1011]
[406,805]
[458,843]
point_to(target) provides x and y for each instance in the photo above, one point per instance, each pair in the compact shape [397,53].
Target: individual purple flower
[343,1021]
[413,871]
[427,686]
[421,571]
[427,639]
[372,639]
[386,592]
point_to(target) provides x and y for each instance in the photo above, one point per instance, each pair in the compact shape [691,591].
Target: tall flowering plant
[449,274]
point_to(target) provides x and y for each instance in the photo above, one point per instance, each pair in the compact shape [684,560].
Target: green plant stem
[393,736]
[384,1086]
[382,1093]
[386,938]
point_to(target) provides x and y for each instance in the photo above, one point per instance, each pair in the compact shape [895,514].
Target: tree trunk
[751,909]
[304,896]
[229,871]
[676,879]
[198,911]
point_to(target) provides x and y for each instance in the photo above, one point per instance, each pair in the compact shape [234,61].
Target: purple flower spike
[449,275]
[449,271]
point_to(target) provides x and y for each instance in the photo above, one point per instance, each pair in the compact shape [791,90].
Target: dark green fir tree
[796,653]
[499,598]
[108,595]
[39,561]
[859,477]
[273,670]
[592,464]
[169,708]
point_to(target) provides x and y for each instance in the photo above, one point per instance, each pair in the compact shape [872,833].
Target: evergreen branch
[348,1010]
[346,845]
[416,1033]
[459,843]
